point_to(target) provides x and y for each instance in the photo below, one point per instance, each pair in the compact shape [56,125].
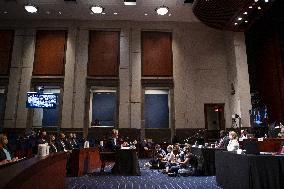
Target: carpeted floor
[149,179]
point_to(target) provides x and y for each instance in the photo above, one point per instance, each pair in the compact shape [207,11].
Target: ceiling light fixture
[31,8]
[129,2]
[240,18]
[245,13]
[162,10]
[115,13]
[97,9]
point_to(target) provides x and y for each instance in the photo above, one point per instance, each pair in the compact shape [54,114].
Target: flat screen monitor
[41,100]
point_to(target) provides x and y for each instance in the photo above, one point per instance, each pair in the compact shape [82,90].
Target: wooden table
[83,161]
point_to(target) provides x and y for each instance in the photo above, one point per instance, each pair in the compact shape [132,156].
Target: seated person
[233,145]
[243,134]
[61,143]
[157,156]
[189,163]
[5,155]
[74,141]
[173,159]
[224,140]
[52,148]
[42,138]
[166,159]
[69,142]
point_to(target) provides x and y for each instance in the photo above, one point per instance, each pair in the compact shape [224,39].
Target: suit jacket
[2,155]
[53,148]
[69,144]
[61,145]
[112,145]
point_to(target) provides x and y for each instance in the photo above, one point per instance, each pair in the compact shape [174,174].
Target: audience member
[52,148]
[61,143]
[233,143]
[5,155]
[224,140]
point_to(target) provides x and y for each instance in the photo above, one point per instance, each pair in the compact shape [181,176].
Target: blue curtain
[51,116]
[104,109]
[156,111]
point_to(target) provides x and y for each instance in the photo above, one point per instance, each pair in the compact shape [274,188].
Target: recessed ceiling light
[250,7]
[162,10]
[258,8]
[236,23]
[129,2]
[103,13]
[31,8]
[97,9]
[246,21]
[115,13]
[145,14]
[266,1]
[240,18]
[245,13]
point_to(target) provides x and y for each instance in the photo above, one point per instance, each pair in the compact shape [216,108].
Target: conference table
[206,159]
[247,171]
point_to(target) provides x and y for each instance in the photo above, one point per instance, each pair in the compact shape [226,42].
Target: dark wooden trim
[143,32]
[64,52]
[10,51]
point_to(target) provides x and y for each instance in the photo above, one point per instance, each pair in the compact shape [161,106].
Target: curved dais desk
[37,173]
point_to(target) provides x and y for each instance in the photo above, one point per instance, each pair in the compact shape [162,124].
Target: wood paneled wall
[50,53]
[103,53]
[6,46]
[157,57]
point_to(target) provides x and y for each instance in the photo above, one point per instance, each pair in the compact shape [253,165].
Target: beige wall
[206,62]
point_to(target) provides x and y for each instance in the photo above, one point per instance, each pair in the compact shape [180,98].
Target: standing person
[5,155]
[42,138]
[113,143]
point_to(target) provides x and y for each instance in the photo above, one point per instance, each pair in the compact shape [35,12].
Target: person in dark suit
[224,140]
[42,138]
[113,143]
[53,148]
[5,155]
[74,141]
[61,143]
[69,142]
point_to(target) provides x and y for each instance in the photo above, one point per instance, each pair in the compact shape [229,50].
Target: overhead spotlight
[245,13]
[97,9]
[240,18]
[31,8]
[129,2]
[162,10]
[266,1]
[259,8]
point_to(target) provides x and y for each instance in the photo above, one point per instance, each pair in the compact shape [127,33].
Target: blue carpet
[149,179]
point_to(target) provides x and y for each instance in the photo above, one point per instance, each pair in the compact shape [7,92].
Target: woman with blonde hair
[233,145]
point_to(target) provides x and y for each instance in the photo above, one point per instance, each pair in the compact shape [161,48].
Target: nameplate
[260,139]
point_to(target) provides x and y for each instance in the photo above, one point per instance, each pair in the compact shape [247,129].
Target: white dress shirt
[233,145]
